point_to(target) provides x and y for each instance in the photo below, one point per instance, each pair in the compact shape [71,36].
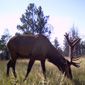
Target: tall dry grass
[54,76]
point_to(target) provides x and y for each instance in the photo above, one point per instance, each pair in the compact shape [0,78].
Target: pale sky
[63,14]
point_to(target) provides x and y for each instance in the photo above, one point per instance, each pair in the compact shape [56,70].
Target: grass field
[54,76]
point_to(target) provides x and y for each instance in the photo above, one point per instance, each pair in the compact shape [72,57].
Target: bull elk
[36,47]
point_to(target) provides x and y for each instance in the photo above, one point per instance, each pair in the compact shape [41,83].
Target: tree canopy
[34,21]
[3,41]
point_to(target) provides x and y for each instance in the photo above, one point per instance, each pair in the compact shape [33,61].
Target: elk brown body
[36,47]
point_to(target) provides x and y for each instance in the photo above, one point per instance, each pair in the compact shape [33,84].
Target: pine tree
[34,21]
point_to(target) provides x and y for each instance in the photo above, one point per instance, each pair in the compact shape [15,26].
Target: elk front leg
[31,62]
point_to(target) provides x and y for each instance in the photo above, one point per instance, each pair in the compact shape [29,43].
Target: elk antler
[72,44]
[67,37]
[75,41]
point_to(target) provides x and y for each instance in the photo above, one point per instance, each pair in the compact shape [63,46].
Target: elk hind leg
[13,68]
[11,64]
[43,68]
[8,67]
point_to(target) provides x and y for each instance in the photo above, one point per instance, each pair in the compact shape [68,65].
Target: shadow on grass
[78,82]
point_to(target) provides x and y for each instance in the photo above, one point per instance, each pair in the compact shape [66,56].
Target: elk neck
[57,59]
